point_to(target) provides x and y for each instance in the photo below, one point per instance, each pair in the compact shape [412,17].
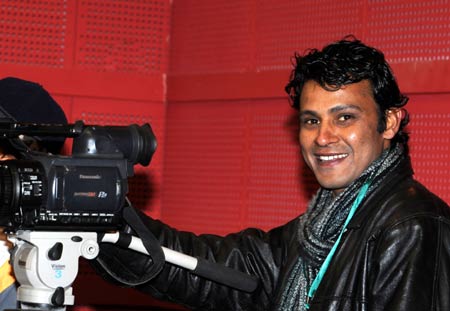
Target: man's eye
[345,117]
[310,121]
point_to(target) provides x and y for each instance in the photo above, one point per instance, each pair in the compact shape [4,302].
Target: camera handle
[207,269]
[46,264]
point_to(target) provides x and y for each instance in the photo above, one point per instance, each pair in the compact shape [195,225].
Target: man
[28,102]
[372,237]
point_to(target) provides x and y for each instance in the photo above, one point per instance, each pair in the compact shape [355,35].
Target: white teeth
[332,157]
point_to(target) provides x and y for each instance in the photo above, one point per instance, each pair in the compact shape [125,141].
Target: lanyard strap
[326,262]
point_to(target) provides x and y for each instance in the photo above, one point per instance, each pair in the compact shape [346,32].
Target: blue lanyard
[326,263]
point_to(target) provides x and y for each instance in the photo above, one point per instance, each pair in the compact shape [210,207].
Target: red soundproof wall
[209,77]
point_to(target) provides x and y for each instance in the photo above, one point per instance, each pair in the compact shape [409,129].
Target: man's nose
[326,135]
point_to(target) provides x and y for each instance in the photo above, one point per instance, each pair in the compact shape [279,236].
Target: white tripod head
[46,264]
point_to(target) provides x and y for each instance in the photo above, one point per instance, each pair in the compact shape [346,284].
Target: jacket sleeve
[411,266]
[251,251]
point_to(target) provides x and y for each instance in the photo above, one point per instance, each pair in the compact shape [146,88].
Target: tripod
[46,265]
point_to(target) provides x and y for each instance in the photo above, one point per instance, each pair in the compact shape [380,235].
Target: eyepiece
[137,143]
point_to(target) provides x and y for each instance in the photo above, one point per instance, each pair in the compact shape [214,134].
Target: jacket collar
[402,172]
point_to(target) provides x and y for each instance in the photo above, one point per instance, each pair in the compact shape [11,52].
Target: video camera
[58,208]
[84,191]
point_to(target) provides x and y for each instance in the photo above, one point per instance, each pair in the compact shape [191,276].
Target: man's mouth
[334,157]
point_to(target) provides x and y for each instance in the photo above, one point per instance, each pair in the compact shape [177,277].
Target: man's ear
[394,118]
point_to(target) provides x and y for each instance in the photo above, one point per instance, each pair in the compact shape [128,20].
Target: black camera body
[84,191]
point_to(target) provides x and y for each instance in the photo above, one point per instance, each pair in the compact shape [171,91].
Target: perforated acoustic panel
[112,49]
[279,184]
[211,36]
[410,31]
[430,141]
[232,165]
[236,36]
[285,27]
[33,33]
[122,36]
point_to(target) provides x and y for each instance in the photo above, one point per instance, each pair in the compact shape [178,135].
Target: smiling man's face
[338,132]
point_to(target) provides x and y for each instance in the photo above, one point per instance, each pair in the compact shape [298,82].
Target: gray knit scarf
[321,224]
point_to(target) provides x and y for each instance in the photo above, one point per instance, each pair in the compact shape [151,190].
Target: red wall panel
[232,165]
[34,33]
[122,36]
[112,49]
[413,34]
[430,141]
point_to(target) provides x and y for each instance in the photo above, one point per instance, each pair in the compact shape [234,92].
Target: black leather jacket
[395,255]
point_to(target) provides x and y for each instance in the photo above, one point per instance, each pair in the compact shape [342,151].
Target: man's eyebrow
[334,109]
[345,107]
[308,112]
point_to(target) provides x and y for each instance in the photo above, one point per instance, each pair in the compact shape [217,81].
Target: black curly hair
[349,61]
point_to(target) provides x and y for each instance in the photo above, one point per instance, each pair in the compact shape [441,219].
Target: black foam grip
[226,276]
